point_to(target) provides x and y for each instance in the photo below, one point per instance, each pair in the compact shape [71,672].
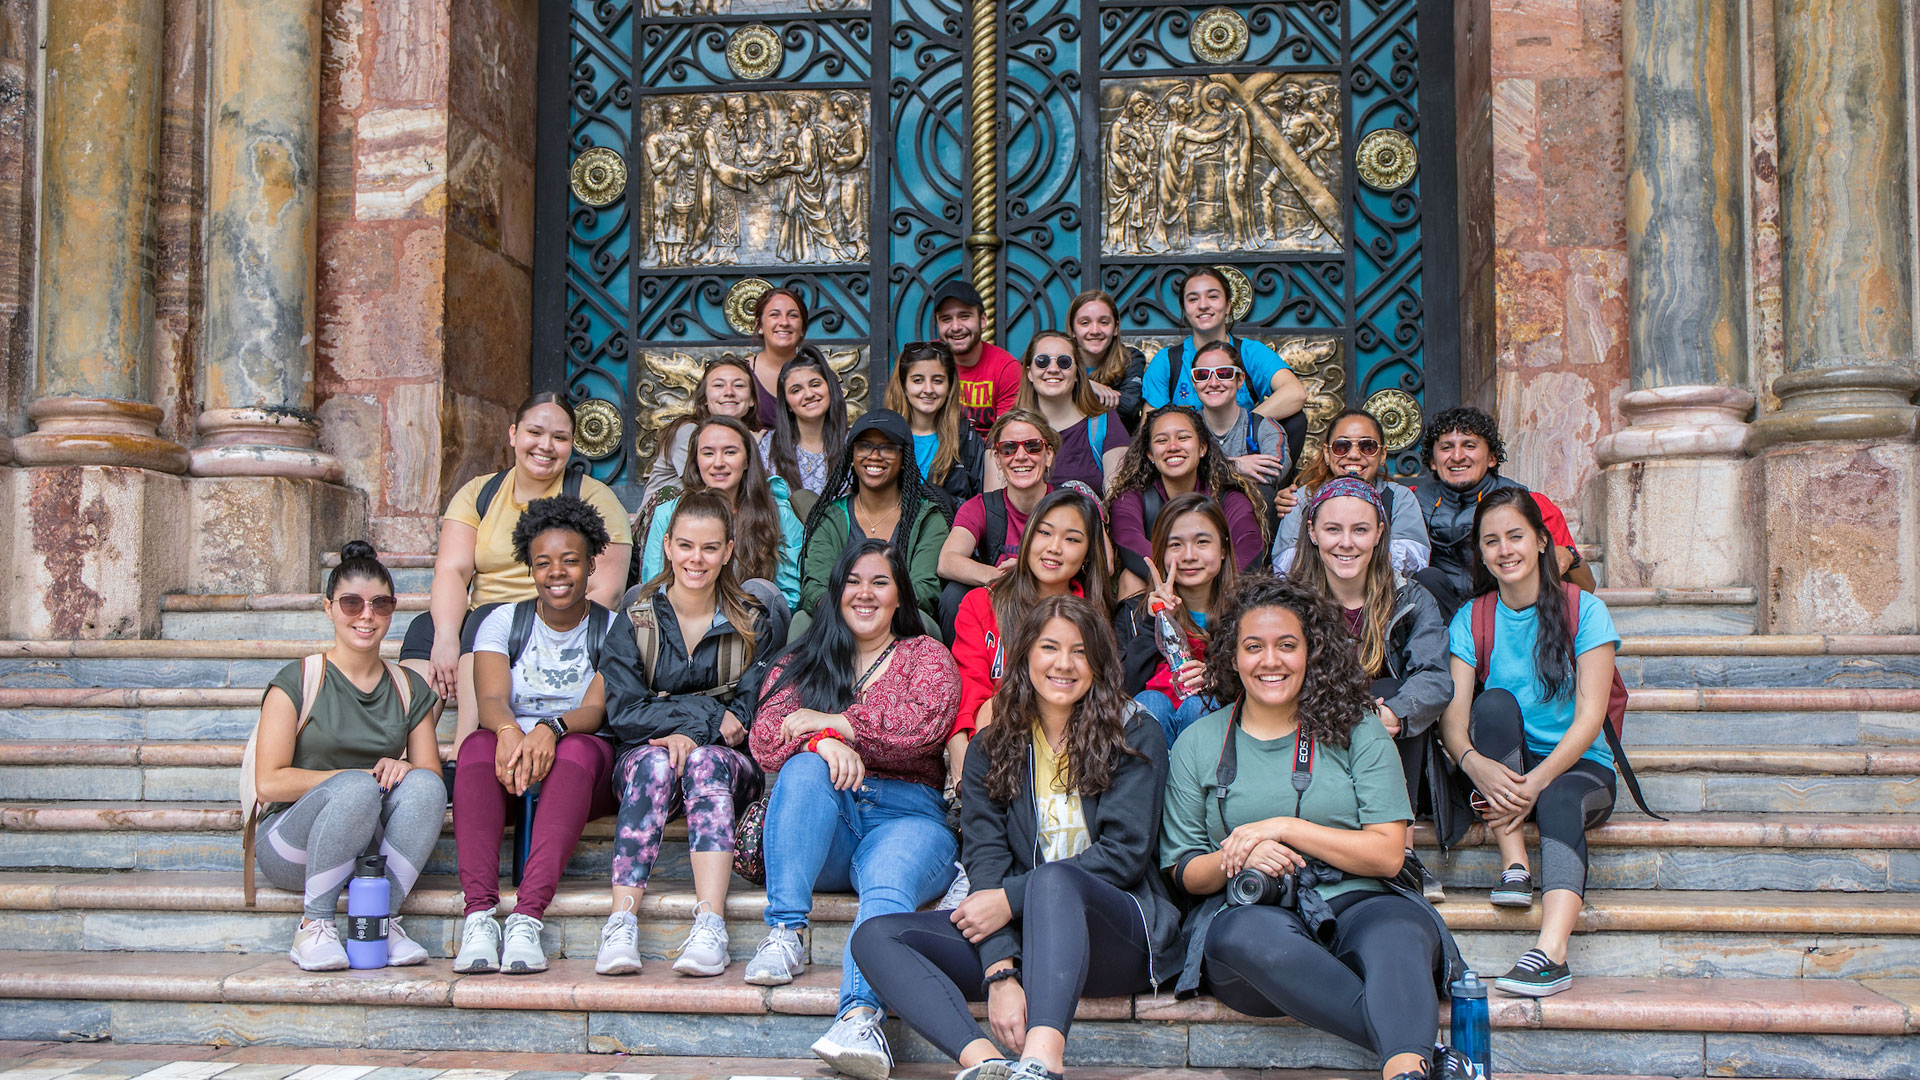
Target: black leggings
[1372,987]
[1079,936]
[1577,800]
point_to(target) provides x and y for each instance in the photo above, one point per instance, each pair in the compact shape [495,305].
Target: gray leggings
[311,846]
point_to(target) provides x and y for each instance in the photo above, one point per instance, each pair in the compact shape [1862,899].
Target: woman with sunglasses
[1175,454]
[723,462]
[1024,446]
[1356,446]
[780,319]
[1193,574]
[812,419]
[362,777]
[925,388]
[1114,366]
[1092,440]
[1256,444]
[874,491]
[725,389]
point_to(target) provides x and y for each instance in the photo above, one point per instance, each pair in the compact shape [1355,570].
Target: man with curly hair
[1464,452]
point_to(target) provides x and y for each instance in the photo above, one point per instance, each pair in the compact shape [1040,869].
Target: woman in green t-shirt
[362,777]
[1280,653]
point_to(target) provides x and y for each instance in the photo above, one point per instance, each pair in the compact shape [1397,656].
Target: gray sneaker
[855,1045]
[522,954]
[1006,1069]
[705,950]
[619,946]
[479,945]
[780,957]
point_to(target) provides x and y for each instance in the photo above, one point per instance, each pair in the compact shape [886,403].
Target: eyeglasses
[1010,447]
[1343,447]
[1041,361]
[1221,374]
[352,604]
[876,449]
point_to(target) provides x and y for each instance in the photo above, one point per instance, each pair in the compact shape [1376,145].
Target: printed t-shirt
[350,728]
[1261,364]
[1351,788]
[498,577]
[972,516]
[552,672]
[990,387]
[1062,824]
[1512,668]
[1076,459]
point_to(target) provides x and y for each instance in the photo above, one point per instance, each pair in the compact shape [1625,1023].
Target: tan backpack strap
[401,684]
[246,861]
[646,635]
[313,675]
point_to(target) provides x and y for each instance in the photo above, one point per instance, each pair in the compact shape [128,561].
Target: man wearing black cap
[989,374]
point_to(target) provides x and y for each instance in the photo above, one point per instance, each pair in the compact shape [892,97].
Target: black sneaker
[1515,889]
[1533,975]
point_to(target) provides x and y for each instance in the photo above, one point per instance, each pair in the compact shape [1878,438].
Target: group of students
[1180,745]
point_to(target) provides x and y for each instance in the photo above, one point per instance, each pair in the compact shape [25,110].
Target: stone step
[1669,1027]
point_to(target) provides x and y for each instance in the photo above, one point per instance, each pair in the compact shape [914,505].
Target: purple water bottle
[369,903]
[1172,642]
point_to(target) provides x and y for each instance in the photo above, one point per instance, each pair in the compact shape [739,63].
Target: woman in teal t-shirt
[1531,739]
[1281,653]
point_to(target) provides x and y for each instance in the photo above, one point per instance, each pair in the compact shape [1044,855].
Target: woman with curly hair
[1298,777]
[725,389]
[769,535]
[875,491]
[925,388]
[809,425]
[542,704]
[1176,454]
[1059,822]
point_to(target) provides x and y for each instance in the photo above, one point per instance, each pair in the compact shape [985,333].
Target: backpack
[313,672]
[570,485]
[598,619]
[1096,435]
[1483,622]
[729,665]
[992,545]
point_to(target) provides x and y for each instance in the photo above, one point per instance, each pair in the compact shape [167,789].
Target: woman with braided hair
[1175,454]
[875,491]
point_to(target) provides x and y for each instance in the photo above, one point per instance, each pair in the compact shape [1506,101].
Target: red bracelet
[813,744]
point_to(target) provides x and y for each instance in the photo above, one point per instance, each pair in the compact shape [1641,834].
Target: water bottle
[1172,642]
[1471,1036]
[369,902]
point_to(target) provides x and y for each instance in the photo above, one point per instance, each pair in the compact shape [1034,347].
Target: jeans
[886,840]
[1175,720]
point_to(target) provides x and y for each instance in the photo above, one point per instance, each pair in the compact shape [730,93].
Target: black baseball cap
[961,290]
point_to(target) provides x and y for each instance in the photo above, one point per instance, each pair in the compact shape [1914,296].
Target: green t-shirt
[1360,785]
[350,729]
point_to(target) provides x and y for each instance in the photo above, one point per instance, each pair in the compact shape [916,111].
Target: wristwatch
[555,725]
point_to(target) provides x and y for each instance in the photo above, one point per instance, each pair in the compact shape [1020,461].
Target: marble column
[1676,478]
[100,154]
[262,225]
[1840,460]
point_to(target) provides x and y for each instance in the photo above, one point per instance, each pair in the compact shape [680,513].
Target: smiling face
[1174,448]
[1204,300]
[1214,391]
[1058,549]
[722,457]
[364,629]
[542,441]
[927,386]
[806,393]
[1195,551]
[1345,532]
[1271,657]
[729,391]
[781,325]
[1058,664]
[1023,469]
[560,566]
[1461,459]
[870,597]
[697,547]
[957,323]
[876,461]
[1510,547]
[1347,449]
[1093,327]
[1053,371]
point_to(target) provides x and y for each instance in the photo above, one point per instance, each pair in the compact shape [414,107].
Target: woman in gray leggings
[360,777]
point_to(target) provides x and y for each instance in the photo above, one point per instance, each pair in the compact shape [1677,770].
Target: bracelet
[813,744]
[1464,753]
[1000,976]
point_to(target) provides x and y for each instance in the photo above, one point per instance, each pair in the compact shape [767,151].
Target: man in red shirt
[989,374]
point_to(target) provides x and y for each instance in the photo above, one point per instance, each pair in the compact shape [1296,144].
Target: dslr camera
[1252,886]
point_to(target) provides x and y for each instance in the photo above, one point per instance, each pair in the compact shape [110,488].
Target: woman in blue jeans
[1193,570]
[857,804]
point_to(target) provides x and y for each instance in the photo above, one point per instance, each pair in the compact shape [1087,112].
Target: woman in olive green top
[361,777]
[1235,803]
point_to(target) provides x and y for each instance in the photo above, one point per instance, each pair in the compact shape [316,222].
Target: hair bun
[357,549]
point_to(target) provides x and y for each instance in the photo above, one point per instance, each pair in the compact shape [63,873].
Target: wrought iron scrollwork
[927,180]
[1042,216]
[689,55]
[1143,38]
[1286,296]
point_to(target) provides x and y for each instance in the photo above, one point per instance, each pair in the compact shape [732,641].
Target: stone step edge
[1867,760]
[1778,1006]
[1822,831]
[439,896]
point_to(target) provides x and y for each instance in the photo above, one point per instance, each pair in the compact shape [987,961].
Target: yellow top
[1062,825]
[498,577]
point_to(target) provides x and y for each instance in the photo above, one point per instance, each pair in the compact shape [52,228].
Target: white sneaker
[479,945]
[522,954]
[855,1045]
[402,951]
[705,950]
[779,958]
[957,891]
[316,946]
[619,946]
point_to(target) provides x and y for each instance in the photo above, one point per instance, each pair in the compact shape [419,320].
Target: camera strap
[1228,769]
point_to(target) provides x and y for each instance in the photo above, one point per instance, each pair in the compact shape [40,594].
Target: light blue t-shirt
[1512,668]
[925,449]
[1262,365]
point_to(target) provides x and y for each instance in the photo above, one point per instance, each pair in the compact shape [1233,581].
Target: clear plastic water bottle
[369,903]
[1172,642]
[1471,1029]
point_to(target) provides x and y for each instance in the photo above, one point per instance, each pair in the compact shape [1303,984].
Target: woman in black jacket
[682,666]
[1059,836]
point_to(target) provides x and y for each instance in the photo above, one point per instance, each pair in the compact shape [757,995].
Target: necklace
[861,683]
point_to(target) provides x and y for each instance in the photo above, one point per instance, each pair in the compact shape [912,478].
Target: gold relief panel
[659,8]
[1220,163]
[666,381]
[754,178]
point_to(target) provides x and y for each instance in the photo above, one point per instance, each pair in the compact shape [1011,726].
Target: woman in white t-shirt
[541,707]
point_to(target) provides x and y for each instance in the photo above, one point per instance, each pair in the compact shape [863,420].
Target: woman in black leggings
[1242,795]
[1066,900]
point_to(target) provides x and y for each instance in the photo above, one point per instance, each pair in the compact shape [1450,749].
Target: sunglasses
[1220,374]
[1343,447]
[877,450]
[351,605]
[1010,447]
[1041,361]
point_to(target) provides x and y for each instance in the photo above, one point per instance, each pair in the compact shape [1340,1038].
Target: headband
[1350,487]
[1081,487]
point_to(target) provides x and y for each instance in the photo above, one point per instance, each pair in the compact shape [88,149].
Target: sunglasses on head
[1344,446]
[1227,373]
[1041,361]
[352,604]
[1010,447]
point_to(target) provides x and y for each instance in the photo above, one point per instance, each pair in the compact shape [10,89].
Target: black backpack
[991,547]
[598,619]
[568,486]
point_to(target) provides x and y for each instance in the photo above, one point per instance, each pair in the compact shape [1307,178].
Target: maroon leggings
[578,789]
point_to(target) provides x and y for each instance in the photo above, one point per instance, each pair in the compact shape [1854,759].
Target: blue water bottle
[1471,1036]
[369,902]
